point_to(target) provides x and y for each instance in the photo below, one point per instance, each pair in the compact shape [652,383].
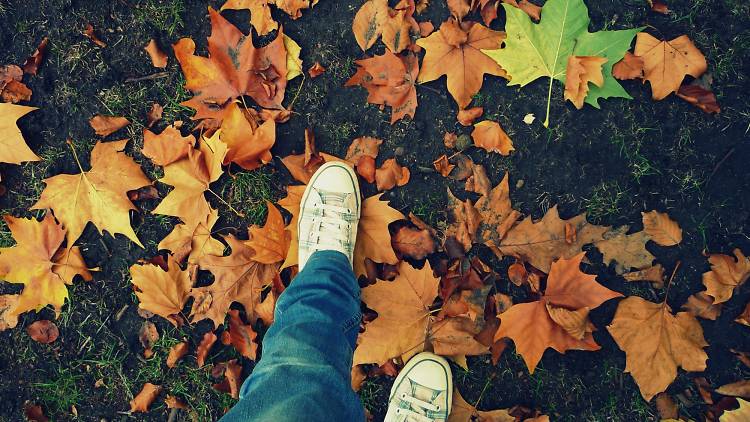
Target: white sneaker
[422,392]
[329,212]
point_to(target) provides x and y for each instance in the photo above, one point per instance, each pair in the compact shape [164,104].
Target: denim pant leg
[304,373]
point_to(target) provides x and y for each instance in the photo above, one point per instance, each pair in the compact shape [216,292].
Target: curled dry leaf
[358,377]
[34,413]
[581,71]
[517,274]
[193,241]
[148,336]
[743,318]
[576,323]
[362,154]
[368,22]
[630,67]
[659,6]
[656,343]
[666,407]
[31,65]
[662,229]
[699,97]
[413,242]
[143,400]
[176,352]
[107,125]
[158,58]
[666,63]
[90,33]
[727,273]
[12,89]
[391,174]
[316,70]
[366,168]
[43,331]
[449,139]
[167,147]
[467,116]
[462,411]
[443,166]
[204,347]
[491,137]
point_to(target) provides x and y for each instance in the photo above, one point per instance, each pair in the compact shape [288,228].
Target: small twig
[716,167]
[158,75]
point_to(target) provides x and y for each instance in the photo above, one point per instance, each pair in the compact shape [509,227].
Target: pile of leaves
[424,289]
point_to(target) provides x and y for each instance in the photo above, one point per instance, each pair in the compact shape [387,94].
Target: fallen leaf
[358,377]
[389,80]
[107,125]
[581,71]
[232,379]
[193,241]
[467,116]
[373,237]
[34,413]
[7,318]
[738,415]
[43,331]
[32,63]
[303,166]
[291,203]
[403,318]
[575,322]
[391,174]
[176,353]
[12,88]
[201,352]
[663,230]
[726,274]
[630,67]
[654,274]
[157,56]
[242,336]
[666,63]
[154,115]
[143,400]
[743,318]
[148,336]
[233,69]
[666,407]
[455,50]
[699,97]
[249,144]
[90,33]
[461,411]
[625,250]
[449,139]
[491,137]
[260,14]
[167,147]
[368,22]
[173,402]
[656,343]
[191,178]
[443,166]
[316,70]
[736,389]
[530,325]
[13,148]
[413,242]
[98,195]
[162,292]
[293,7]
[363,146]
[35,262]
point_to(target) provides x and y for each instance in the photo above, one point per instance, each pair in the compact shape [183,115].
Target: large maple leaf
[98,195]
[161,292]
[404,318]
[656,342]
[456,51]
[241,276]
[249,143]
[233,69]
[13,148]
[532,327]
[39,262]
[389,80]
[540,50]
[191,178]
[666,63]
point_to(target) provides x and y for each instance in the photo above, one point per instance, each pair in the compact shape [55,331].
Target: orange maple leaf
[530,325]
[456,51]
[249,143]
[13,148]
[233,69]
[161,292]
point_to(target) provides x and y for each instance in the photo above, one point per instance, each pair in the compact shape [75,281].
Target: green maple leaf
[540,50]
[612,45]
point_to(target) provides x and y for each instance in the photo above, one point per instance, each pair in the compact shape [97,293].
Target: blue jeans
[304,373]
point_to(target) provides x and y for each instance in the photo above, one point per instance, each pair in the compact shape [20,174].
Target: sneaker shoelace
[330,230]
[418,409]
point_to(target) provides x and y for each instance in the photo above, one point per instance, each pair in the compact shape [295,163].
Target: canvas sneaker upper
[329,212]
[422,392]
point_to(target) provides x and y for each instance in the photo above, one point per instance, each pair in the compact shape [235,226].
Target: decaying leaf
[743,318]
[626,250]
[7,318]
[98,195]
[173,402]
[663,230]
[148,335]
[241,336]
[232,379]
[32,63]
[143,400]
[666,63]
[403,318]
[90,33]
[654,274]
[455,50]
[167,147]
[461,411]
[43,331]
[727,273]
[443,166]
[467,116]
[490,136]
[12,88]
[736,389]
[413,242]
[700,97]
[316,70]
[656,343]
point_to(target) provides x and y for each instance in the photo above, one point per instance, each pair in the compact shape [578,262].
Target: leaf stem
[75,155]
[228,205]
[549,100]
[291,104]
[669,283]
[487,384]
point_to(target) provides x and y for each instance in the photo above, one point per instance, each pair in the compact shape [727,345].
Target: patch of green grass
[82,56]
[248,192]
[429,208]
[638,163]
[606,200]
[372,395]
[172,92]
[106,364]
[164,15]
[6,238]
[61,392]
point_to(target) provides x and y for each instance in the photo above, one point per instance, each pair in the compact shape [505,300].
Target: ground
[629,156]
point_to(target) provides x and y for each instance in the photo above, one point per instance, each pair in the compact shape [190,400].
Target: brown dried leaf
[702,305]
[736,389]
[700,97]
[8,319]
[662,229]
[390,175]
[581,71]
[316,70]
[143,400]
[443,166]
[630,67]
[467,116]
[31,65]
[176,353]
[158,58]
[148,336]
[491,137]
[413,242]
[90,33]
[201,352]
[43,331]
[726,274]
[106,125]
[654,274]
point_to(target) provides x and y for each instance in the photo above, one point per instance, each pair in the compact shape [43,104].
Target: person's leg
[304,373]
[305,369]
